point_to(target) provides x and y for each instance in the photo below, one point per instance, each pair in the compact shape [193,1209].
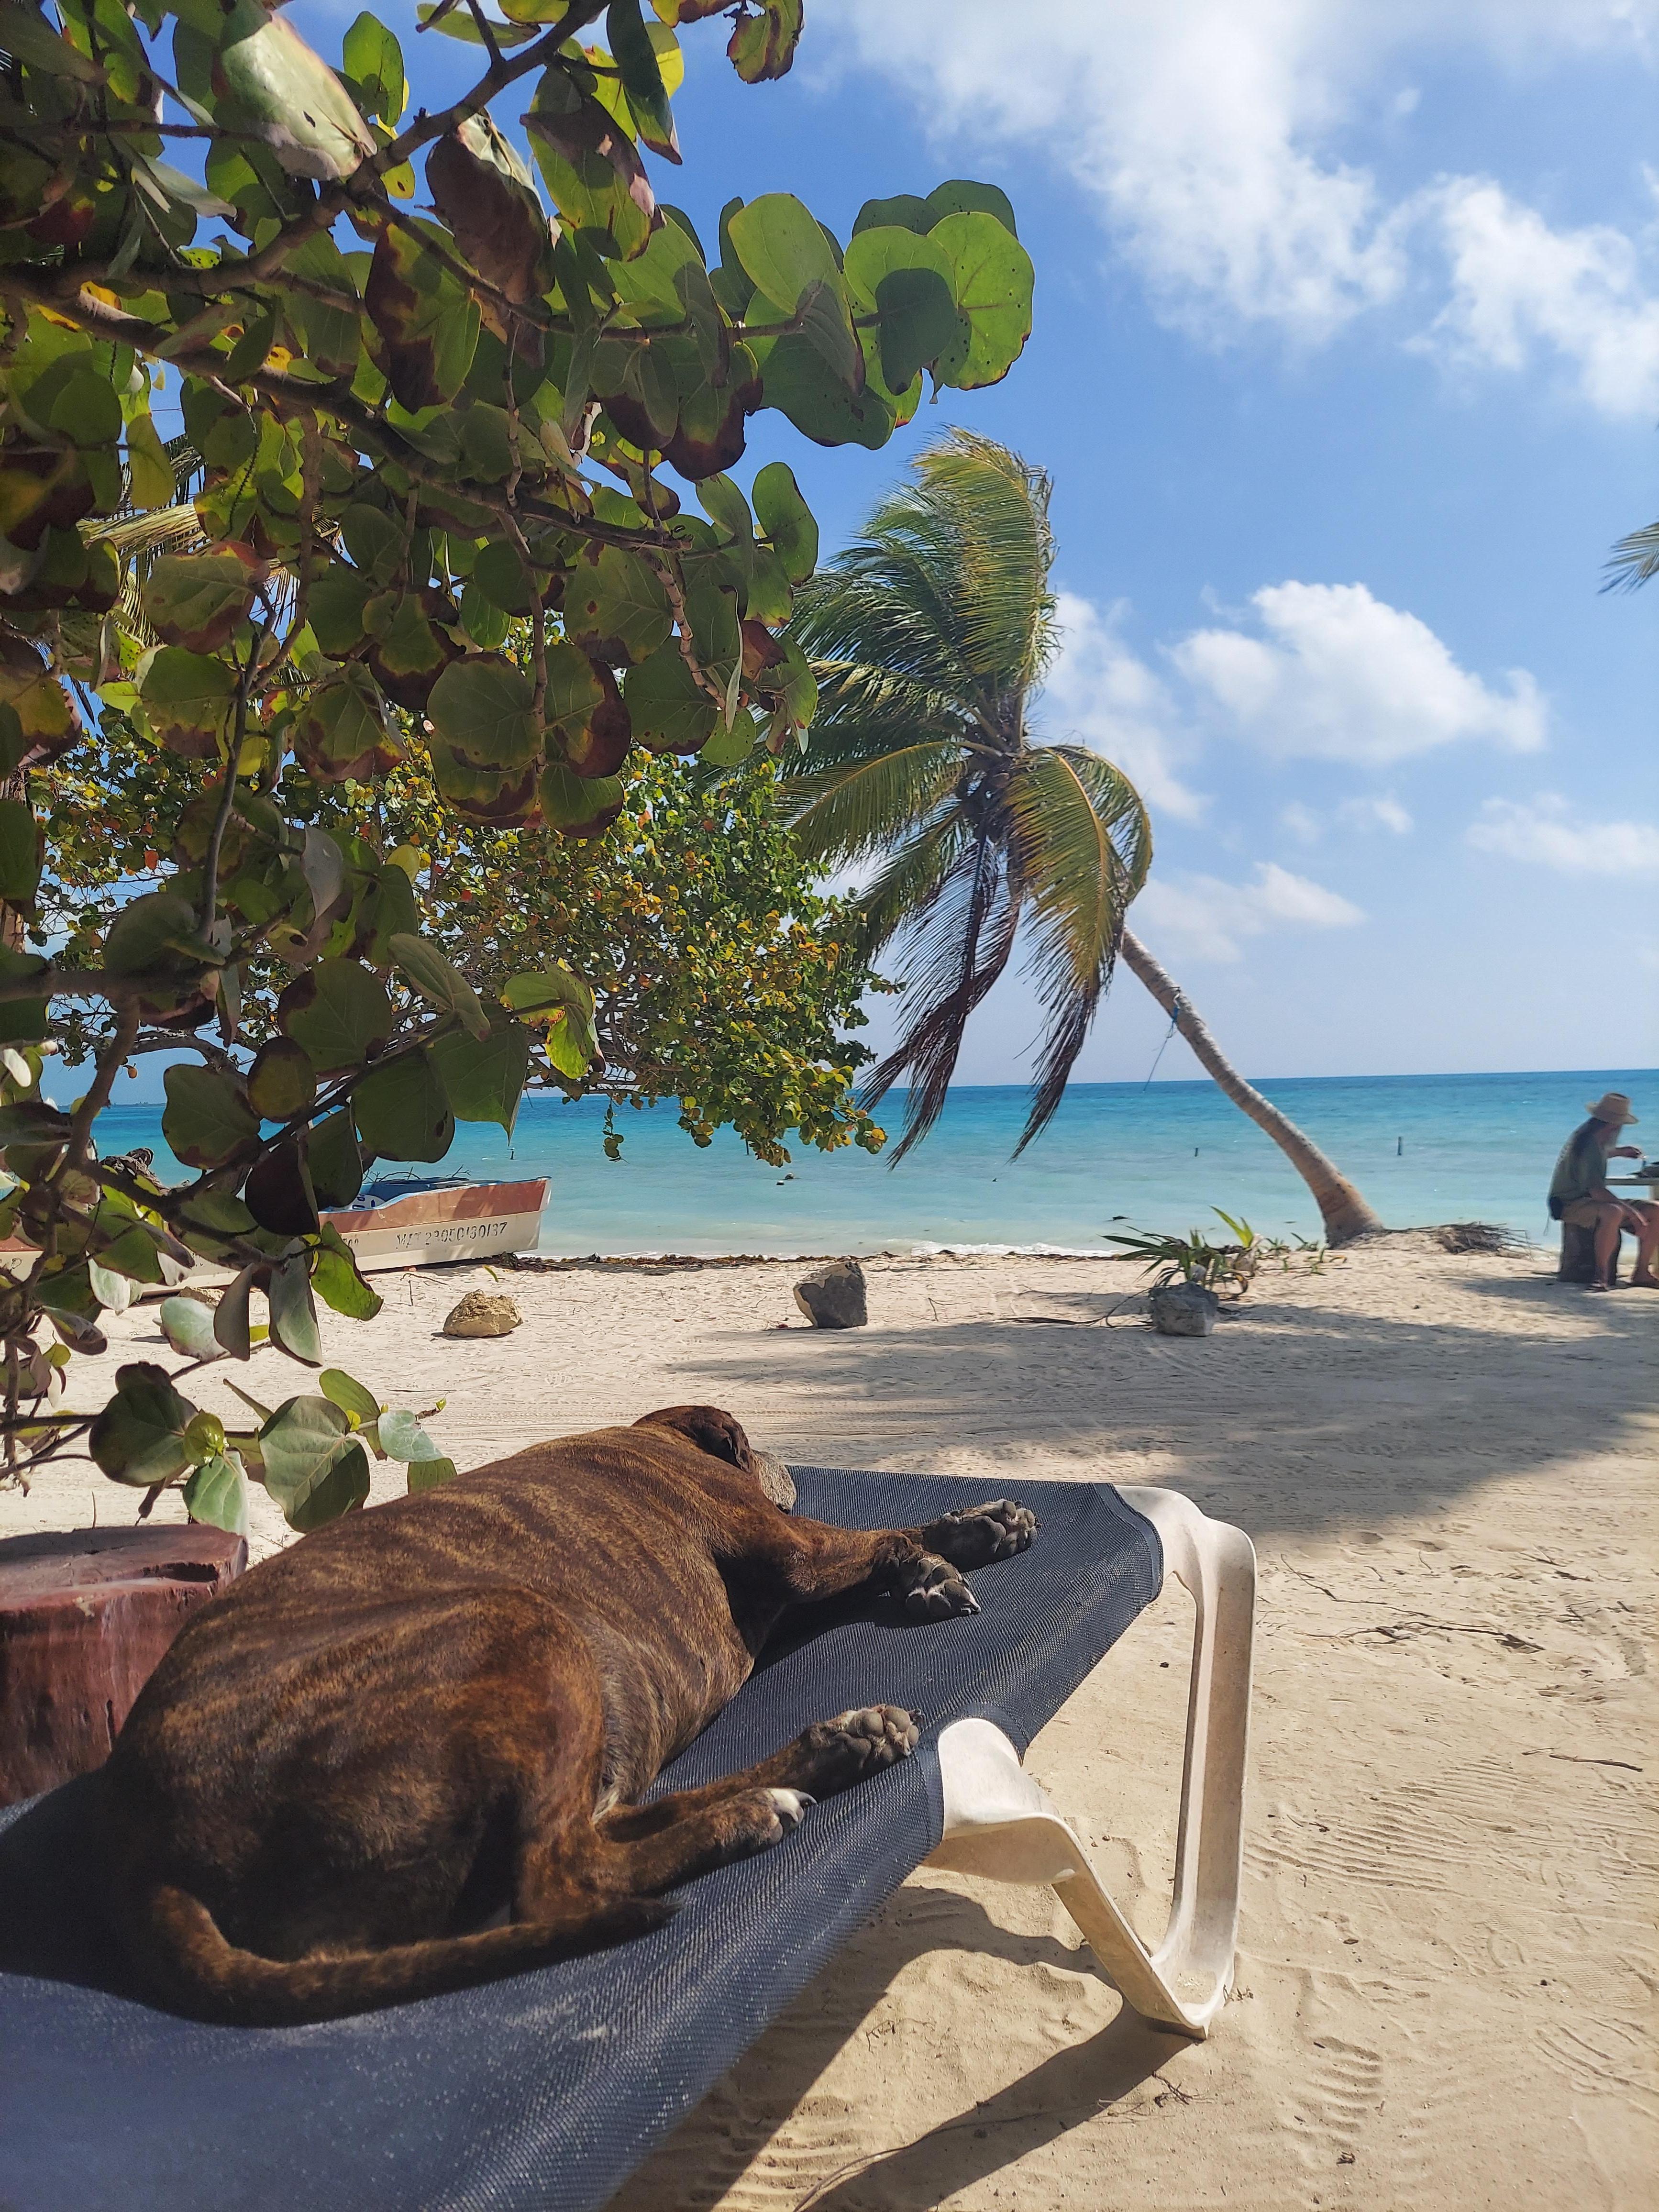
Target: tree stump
[83,1619]
[1578,1255]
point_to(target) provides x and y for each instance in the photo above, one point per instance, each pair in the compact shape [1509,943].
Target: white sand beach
[1448,1965]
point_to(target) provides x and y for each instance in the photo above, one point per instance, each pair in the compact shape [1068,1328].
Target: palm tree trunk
[1344,1212]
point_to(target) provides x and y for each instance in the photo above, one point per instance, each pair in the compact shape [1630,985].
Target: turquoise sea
[1423,1148]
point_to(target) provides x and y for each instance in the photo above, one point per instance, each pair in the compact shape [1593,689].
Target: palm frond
[910,883]
[843,812]
[1086,845]
[959,946]
[1634,560]
[986,511]
[879,606]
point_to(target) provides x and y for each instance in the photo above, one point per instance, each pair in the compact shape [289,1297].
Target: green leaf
[19,852]
[827,326]
[561,1004]
[337,1280]
[727,748]
[187,1325]
[343,728]
[426,321]
[782,248]
[428,1474]
[484,1080]
[762,45]
[205,1437]
[484,708]
[268,80]
[919,322]
[375,69]
[155,932]
[590,168]
[197,599]
[282,1081]
[424,968]
[335,609]
[992,278]
[112,1292]
[150,472]
[32,1122]
[622,601]
[314,1469]
[340,1012]
[635,57]
[905,211]
[206,1122]
[278,1191]
[232,1323]
[402,1111]
[787,521]
[403,1438]
[576,805]
[669,709]
[963,197]
[187,697]
[336,1164]
[294,1311]
[139,1438]
[217,1493]
[354,1399]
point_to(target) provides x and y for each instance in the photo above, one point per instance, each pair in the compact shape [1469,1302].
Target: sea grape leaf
[787,521]
[232,1323]
[19,852]
[375,69]
[484,708]
[217,1493]
[354,1399]
[428,1474]
[426,321]
[139,1436]
[338,1012]
[762,45]
[403,1438]
[207,1121]
[339,1281]
[278,1191]
[266,79]
[187,1325]
[294,1311]
[484,1081]
[591,168]
[781,247]
[187,697]
[314,1468]
[670,711]
[800,384]
[919,322]
[962,196]
[579,806]
[992,278]
[402,1111]
[635,55]
[337,1163]
[197,599]
[424,968]
[282,1082]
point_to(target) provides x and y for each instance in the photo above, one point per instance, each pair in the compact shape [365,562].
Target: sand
[1448,1958]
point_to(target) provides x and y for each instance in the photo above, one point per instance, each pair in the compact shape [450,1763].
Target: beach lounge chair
[547,2090]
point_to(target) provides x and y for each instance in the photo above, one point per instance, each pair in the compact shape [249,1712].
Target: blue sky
[1345,365]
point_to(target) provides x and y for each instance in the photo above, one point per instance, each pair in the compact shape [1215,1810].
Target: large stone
[483,1313]
[83,1619]
[1183,1309]
[835,1297]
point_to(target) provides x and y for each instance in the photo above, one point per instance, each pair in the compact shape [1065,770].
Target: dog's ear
[709,1428]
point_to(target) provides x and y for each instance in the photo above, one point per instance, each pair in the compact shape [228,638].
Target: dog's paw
[789,1810]
[980,1534]
[938,1592]
[835,1754]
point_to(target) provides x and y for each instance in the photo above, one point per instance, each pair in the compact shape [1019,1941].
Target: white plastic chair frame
[1001,1824]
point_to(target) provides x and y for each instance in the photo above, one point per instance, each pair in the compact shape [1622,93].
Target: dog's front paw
[937,1592]
[980,1534]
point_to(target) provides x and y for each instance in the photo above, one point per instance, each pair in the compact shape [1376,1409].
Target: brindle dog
[374,1744]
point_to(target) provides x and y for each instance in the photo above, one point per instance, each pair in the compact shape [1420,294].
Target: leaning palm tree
[930,637]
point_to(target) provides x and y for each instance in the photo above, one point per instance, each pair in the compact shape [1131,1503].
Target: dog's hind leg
[829,1757]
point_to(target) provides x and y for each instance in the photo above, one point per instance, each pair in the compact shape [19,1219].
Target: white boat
[413,1221]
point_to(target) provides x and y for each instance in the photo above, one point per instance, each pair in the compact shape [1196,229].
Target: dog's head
[722,1437]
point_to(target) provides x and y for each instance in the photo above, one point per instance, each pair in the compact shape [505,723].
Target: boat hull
[480,1221]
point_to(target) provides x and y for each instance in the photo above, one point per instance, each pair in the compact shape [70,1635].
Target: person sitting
[1579,1196]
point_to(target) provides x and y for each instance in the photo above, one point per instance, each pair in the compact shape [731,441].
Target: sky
[1345,368]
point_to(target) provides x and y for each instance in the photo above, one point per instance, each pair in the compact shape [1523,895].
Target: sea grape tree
[431,444]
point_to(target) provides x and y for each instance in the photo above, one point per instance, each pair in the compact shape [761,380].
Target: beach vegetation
[417,509]
[929,637]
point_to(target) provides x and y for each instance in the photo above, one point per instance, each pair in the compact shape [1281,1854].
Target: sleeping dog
[348,1768]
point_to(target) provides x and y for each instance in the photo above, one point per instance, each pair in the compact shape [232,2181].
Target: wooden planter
[83,1620]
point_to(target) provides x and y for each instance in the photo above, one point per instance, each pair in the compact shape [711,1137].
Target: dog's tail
[188,1964]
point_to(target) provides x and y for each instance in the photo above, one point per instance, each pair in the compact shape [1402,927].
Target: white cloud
[1547,834]
[1373,812]
[1202,917]
[1343,675]
[1100,694]
[1208,132]
[1517,284]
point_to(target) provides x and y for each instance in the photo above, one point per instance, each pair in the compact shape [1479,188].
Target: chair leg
[999,1824]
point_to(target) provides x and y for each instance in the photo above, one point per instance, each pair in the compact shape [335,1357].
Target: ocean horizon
[1424,1149]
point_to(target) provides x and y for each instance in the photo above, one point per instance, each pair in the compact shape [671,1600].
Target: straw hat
[1611,1106]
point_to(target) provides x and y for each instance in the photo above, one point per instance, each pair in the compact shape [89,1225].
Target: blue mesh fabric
[545,2091]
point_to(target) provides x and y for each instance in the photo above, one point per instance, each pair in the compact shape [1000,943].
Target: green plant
[1193,1259]
[421,490]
